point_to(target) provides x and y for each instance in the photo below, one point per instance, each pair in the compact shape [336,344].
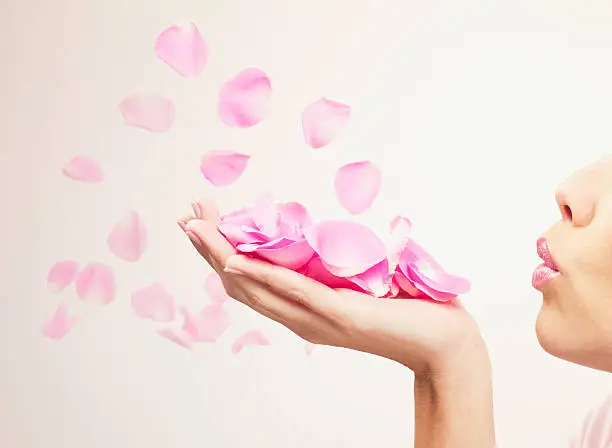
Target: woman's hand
[440,342]
[423,335]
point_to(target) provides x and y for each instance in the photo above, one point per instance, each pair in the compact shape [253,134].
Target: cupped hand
[424,335]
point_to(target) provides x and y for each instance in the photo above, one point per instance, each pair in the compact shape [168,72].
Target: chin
[558,338]
[548,334]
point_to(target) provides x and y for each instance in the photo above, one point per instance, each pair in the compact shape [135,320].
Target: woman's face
[575,321]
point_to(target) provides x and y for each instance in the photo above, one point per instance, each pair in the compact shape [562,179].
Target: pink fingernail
[197,210]
[194,238]
[182,225]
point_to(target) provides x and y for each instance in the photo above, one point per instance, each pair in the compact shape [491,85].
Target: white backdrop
[473,109]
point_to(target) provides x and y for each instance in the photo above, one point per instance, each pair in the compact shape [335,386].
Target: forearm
[454,404]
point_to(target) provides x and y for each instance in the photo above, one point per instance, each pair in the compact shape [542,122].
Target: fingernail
[231,271]
[197,210]
[182,225]
[194,238]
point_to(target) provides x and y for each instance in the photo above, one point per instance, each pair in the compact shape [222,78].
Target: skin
[440,342]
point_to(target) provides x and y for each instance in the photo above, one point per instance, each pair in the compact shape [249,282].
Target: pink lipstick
[546,271]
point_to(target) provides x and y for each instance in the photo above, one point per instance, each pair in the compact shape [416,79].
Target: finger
[216,250]
[209,243]
[206,210]
[302,321]
[182,221]
[287,283]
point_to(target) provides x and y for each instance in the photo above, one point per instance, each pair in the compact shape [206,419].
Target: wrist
[453,400]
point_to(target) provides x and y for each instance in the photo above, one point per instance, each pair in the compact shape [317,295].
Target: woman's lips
[548,270]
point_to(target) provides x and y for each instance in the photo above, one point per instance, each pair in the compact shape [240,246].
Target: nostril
[566,212]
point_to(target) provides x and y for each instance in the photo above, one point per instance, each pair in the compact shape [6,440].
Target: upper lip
[545,254]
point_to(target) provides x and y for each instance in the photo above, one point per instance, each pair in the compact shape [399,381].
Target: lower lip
[543,275]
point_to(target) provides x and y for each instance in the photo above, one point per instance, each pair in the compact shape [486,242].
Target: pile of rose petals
[340,254]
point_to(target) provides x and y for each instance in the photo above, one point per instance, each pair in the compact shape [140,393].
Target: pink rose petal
[346,248]
[357,186]
[96,284]
[183,49]
[208,325]
[215,289]
[376,280]
[294,215]
[128,239]
[426,275]
[323,121]
[283,252]
[222,168]
[148,111]
[83,169]
[407,286]
[401,230]
[178,336]
[266,216]
[254,337]
[316,270]
[154,302]
[61,275]
[59,325]
[244,100]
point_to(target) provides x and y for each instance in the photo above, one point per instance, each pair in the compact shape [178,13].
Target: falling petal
[148,111]
[154,302]
[244,100]
[181,47]
[59,325]
[83,169]
[346,248]
[177,336]
[323,121]
[357,186]
[309,348]
[254,337]
[208,325]
[222,168]
[128,239]
[215,289]
[61,275]
[96,284]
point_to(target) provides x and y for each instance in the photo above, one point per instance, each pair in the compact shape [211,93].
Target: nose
[575,204]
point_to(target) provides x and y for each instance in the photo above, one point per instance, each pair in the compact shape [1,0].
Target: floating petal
[323,121]
[357,186]
[254,337]
[61,275]
[244,100]
[128,239]
[83,169]
[182,47]
[59,325]
[148,111]
[222,168]
[154,302]
[96,284]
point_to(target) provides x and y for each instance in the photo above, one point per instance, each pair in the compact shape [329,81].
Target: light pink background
[473,109]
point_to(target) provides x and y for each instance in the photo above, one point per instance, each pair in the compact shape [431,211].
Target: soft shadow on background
[474,110]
